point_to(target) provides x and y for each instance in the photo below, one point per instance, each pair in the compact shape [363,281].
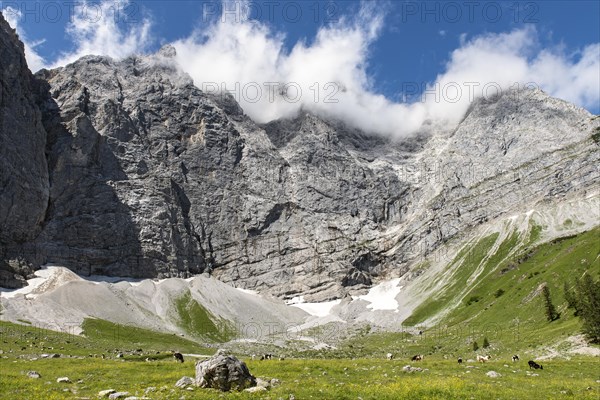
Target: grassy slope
[464,265]
[508,310]
[104,333]
[199,323]
[305,378]
[519,309]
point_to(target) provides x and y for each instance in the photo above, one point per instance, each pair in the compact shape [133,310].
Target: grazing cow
[418,357]
[267,356]
[178,357]
[390,356]
[515,358]
[483,359]
[534,365]
[460,360]
[253,356]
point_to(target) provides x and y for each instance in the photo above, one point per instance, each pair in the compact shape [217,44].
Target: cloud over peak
[329,75]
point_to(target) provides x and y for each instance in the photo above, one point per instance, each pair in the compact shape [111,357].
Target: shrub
[596,135]
[486,343]
[473,299]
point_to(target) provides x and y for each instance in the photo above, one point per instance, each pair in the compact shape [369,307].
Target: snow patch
[317,309]
[43,275]
[97,279]
[383,296]
[295,300]
[247,291]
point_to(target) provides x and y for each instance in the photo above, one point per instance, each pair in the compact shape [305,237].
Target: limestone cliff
[125,168]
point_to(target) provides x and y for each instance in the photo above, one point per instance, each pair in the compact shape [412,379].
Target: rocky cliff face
[144,175]
[24,181]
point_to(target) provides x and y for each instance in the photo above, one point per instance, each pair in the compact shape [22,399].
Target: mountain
[125,168]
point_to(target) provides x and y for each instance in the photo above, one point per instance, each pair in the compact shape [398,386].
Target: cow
[390,356]
[178,357]
[515,358]
[460,360]
[483,359]
[534,365]
[418,357]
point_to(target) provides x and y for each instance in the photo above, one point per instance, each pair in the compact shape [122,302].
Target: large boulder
[224,372]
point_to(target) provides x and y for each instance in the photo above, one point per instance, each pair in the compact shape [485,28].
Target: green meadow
[501,305]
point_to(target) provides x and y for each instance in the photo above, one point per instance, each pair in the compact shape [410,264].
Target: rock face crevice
[126,168]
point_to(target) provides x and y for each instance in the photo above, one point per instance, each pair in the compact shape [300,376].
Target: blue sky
[383,53]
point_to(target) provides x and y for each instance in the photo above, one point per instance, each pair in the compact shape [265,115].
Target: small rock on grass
[63,379]
[262,383]
[493,374]
[105,393]
[33,374]
[255,389]
[183,382]
[118,395]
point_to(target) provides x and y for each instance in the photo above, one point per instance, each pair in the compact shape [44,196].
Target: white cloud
[505,60]
[236,53]
[34,61]
[575,81]
[328,75]
[97,29]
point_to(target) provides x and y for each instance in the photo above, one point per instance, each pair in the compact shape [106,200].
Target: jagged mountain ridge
[147,176]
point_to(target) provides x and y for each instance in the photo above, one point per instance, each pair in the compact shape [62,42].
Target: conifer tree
[551,313]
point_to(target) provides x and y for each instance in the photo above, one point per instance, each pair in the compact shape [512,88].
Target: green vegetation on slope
[516,319]
[584,299]
[465,264]
[199,323]
[100,332]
